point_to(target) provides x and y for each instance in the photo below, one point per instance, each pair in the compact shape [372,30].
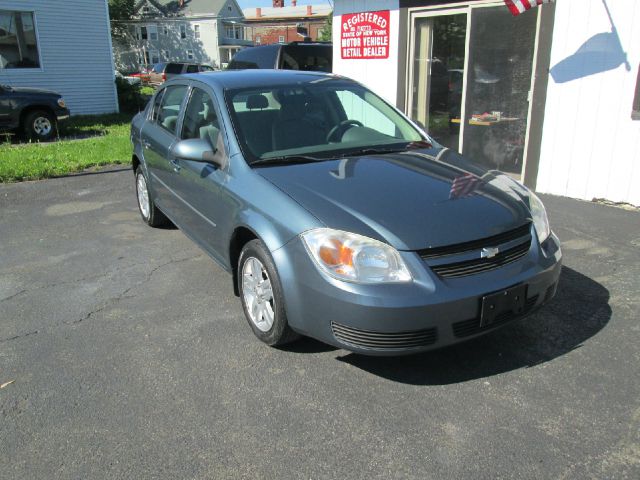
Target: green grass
[86,141]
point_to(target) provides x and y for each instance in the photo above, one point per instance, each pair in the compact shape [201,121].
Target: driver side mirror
[196,150]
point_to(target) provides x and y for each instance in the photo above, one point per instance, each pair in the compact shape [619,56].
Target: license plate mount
[512,300]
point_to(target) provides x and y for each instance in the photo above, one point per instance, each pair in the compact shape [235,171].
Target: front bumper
[62,113]
[394,319]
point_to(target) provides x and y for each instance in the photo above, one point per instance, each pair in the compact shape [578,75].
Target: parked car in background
[338,217]
[307,56]
[31,111]
[161,72]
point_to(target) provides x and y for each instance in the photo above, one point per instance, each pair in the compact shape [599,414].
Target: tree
[326,34]
[121,10]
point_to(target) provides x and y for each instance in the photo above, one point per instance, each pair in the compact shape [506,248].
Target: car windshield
[322,119]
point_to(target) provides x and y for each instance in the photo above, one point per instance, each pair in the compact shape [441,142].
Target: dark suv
[161,72]
[292,56]
[33,111]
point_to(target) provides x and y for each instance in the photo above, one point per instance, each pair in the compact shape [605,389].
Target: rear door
[159,133]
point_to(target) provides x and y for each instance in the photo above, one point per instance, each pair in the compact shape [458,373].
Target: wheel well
[241,236]
[34,108]
[135,163]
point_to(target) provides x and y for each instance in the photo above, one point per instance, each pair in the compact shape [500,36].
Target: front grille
[383,340]
[472,326]
[437,252]
[478,265]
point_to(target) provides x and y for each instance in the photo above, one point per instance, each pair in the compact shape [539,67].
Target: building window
[635,113]
[146,9]
[165,55]
[196,31]
[183,31]
[258,39]
[281,39]
[153,32]
[155,56]
[165,30]
[19,45]
[142,33]
[190,55]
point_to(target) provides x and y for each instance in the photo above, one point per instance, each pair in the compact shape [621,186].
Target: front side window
[200,119]
[18,40]
[322,120]
[192,68]
[167,115]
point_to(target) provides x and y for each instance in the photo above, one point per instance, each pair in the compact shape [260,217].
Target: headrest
[257,101]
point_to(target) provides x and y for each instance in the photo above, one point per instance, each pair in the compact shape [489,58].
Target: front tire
[261,295]
[39,126]
[150,214]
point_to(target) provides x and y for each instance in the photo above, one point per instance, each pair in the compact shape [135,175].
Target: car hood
[410,200]
[35,91]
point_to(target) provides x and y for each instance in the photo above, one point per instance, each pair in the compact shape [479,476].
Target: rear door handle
[175,164]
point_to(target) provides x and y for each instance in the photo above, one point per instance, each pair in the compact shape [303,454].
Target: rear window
[307,57]
[173,68]
[158,67]
[255,57]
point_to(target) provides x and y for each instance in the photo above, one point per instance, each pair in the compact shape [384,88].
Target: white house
[200,31]
[64,46]
[551,96]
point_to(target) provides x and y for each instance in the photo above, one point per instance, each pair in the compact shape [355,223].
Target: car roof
[228,79]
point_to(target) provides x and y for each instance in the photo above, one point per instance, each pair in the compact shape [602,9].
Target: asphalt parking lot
[131,358]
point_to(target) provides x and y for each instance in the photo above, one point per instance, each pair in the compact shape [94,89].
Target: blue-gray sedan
[338,217]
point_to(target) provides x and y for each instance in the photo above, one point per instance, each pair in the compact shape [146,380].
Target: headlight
[61,103]
[539,215]
[354,258]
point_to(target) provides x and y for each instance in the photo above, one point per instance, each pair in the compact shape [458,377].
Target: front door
[205,211]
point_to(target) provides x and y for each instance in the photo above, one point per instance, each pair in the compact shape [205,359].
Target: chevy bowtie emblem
[489,252]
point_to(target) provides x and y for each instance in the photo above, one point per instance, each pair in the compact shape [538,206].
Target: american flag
[516,7]
[464,186]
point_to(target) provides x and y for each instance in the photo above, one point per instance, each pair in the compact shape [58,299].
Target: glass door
[437,75]
[498,84]
[469,80]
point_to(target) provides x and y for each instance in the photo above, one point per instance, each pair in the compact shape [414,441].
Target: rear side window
[192,69]
[169,109]
[316,58]
[173,68]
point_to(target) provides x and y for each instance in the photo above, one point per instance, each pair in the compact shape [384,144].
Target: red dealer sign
[365,35]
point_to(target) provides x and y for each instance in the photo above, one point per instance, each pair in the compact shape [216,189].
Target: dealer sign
[365,35]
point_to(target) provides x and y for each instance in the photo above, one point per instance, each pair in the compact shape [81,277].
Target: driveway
[132,359]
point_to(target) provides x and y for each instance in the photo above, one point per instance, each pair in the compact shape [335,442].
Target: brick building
[284,24]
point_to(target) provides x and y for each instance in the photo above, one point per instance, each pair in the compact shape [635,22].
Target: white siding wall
[75,52]
[590,145]
[380,75]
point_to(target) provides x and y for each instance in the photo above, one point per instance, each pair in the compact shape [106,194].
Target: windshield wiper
[371,151]
[287,160]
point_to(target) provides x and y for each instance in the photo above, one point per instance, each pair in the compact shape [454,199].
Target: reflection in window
[18,42]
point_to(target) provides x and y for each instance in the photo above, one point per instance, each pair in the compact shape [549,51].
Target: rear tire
[39,126]
[261,295]
[150,214]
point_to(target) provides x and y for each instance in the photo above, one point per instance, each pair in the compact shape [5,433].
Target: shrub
[129,97]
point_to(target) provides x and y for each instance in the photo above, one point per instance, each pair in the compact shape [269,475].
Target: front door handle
[175,164]
[146,144]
